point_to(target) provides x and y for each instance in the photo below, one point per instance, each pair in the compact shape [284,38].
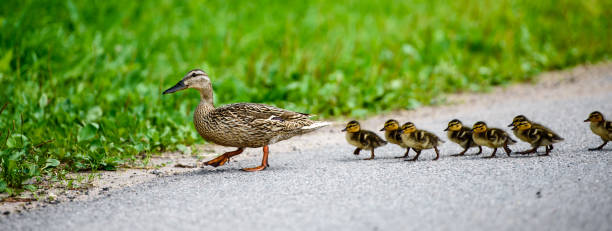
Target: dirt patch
[579,81]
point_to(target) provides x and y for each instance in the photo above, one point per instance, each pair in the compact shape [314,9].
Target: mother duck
[241,125]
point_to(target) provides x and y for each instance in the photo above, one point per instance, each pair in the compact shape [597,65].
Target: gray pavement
[325,187]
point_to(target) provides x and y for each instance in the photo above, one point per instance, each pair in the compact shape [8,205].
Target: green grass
[82,79]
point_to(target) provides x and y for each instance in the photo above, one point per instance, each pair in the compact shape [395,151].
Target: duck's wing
[498,136]
[434,139]
[263,116]
[371,139]
[535,135]
[549,134]
[464,134]
[608,126]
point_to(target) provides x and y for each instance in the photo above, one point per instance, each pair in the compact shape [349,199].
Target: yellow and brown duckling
[241,125]
[462,135]
[537,136]
[522,135]
[600,127]
[419,140]
[362,139]
[393,134]
[491,137]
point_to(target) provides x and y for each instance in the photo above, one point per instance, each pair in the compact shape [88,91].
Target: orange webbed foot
[255,169]
[216,162]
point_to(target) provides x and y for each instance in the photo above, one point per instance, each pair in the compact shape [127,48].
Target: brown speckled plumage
[241,125]
[248,124]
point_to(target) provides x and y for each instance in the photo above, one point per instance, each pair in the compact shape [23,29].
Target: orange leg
[264,162]
[224,158]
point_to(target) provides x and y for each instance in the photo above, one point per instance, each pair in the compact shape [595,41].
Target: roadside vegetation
[81,81]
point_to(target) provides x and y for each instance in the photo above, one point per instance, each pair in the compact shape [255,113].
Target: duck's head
[390,125]
[196,79]
[595,117]
[454,125]
[523,125]
[408,127]
[479,127]
[517,119]
[352,126]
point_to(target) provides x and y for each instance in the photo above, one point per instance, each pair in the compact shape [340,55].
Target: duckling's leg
[405,154]
[264,162]
[547,151]
[372,156]
[224,158]
[418,152]
[357,150]
[535,149]
[507,149]
[492,154]
[463,152]
[438,153]
[551,147]
[479,150]
[600,147]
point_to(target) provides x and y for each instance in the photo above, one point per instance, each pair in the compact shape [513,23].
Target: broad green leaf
[87,133]
[51,163]
[42,102]
[17,141]
[94,114]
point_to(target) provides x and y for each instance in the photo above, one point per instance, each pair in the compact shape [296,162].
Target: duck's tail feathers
[316,125]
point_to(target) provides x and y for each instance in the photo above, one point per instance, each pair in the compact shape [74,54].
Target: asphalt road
[325,187]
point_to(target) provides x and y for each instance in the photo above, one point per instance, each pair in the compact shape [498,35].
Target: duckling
[491,137]
[362,139]
[537,136]
[522,135]
[419,140]
[393,134]
[241,125]
[461,135]
[600,127]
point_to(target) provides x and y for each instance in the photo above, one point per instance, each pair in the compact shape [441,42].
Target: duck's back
[421,139]
[365,139]
[603,129]
[493,137]
[249,124]
[524,135]
[462,137]
[542,136]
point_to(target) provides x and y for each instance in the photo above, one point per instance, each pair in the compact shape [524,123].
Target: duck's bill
[382,129]
[510,125]
[587,120]
[179,86]
[446,129]
[343,130]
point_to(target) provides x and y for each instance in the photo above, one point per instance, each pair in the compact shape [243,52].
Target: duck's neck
[206,103]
